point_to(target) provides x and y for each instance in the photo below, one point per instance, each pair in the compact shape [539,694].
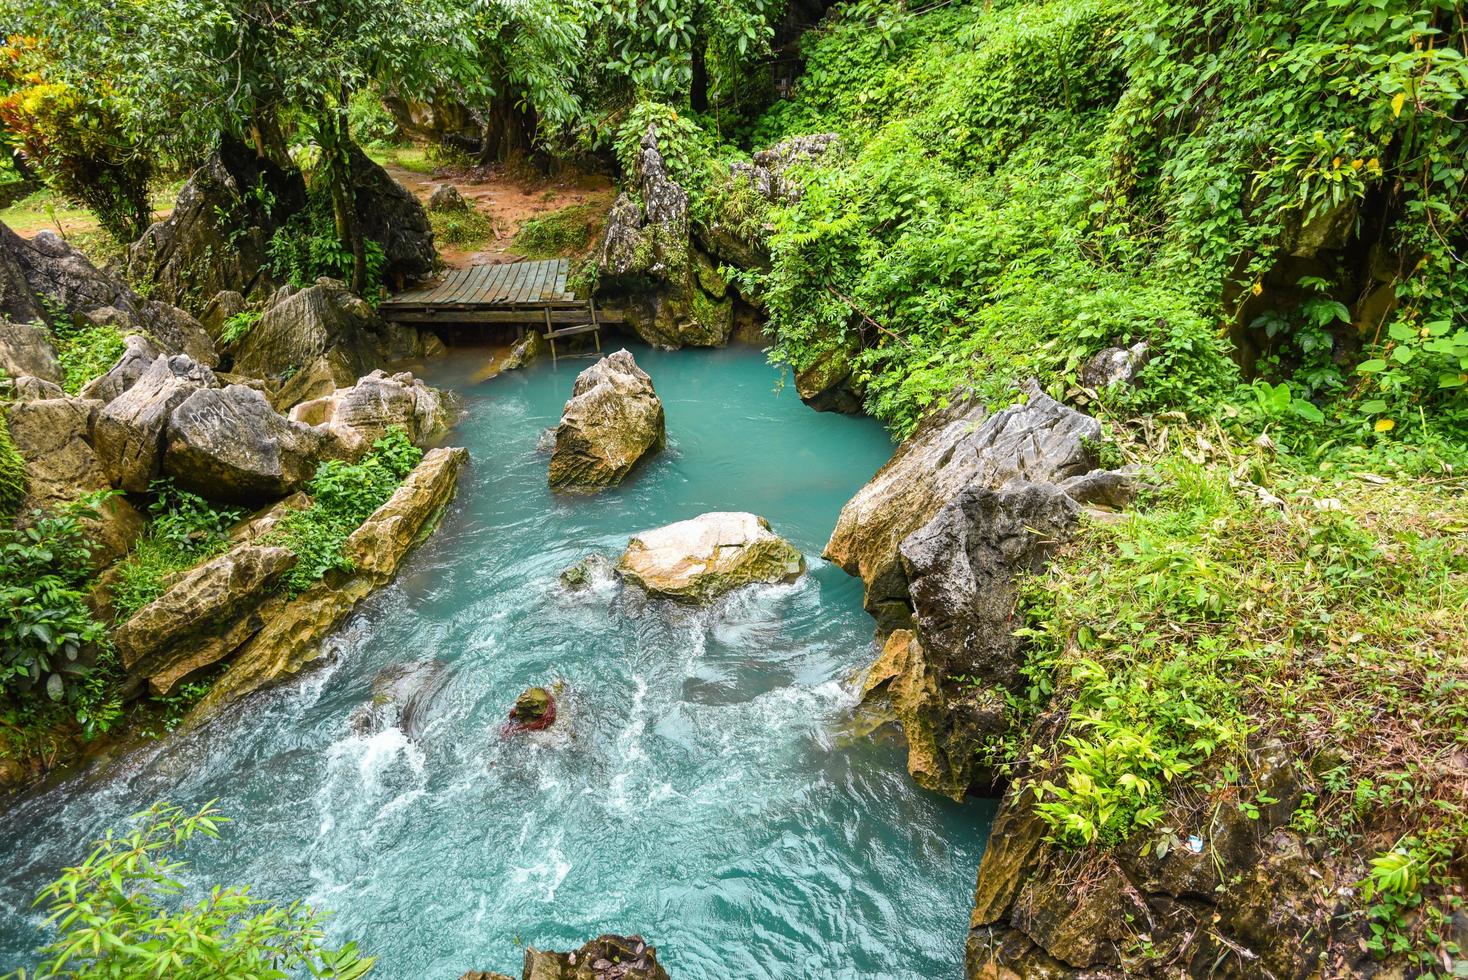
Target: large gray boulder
[53,438]
[1038,440]
[700,559]
[26,351]
[228,444]
[390,215]
[357,416]
[129,430]
[613,420]
[321,338]
[44,273]
[941,536]
[218,235]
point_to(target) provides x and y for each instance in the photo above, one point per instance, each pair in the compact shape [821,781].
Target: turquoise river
[709,783]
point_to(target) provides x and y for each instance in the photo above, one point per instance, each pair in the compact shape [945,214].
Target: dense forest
[1199,629]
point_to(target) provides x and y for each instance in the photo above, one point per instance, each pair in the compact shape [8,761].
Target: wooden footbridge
[522,294]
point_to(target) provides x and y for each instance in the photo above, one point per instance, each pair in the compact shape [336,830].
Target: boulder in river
[293,636]
[534,711]
[590,570]
[228,444]
[699,559]
[604,958]
[202,617]
[613,420]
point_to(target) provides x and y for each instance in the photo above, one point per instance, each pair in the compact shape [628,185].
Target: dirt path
[507,199]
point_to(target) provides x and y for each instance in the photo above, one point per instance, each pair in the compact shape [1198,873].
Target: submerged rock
[402,694]
[699,559]
[588,571]
[613,420]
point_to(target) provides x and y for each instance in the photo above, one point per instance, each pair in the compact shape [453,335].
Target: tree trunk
[336,148]
[509,132]
[698,91]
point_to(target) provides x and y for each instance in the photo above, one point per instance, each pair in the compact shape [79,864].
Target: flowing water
[706,784]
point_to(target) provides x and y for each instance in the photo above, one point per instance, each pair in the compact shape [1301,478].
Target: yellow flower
[1258,288]
[1356,163]
[1384,425]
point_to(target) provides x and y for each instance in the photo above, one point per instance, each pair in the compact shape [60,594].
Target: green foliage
[119,914]
[49,641]
[371,124]
[183,530]
[74,132]
[569,231]
[12,474]
[85,350]
[307,248]
[1412,897]
[237,326]
[343,495]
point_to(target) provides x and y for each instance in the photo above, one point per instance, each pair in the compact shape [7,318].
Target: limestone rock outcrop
[604,958]
[130,430]
[26,351]
[355,417]
[699,559]
[228,444]
[53,436]
[217,238]
[315,340]
[1114,365]
[390,215]
[940,536]
[672,295]
[1038,441]
[44,273]
[527,349]
[139,352]
[613,420]
[203,617]
[292,636]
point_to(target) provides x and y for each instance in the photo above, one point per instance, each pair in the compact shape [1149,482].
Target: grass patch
[569,231]
[420,159]
[1329,614]
[343,495]
[464,228]
[183,530]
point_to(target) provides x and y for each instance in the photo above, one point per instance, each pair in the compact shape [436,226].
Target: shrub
[343,495]
[86,351]
[48,637]
[306,248]
[463,228]
[237,326]
[118,914]
[12,474]
[183,530]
